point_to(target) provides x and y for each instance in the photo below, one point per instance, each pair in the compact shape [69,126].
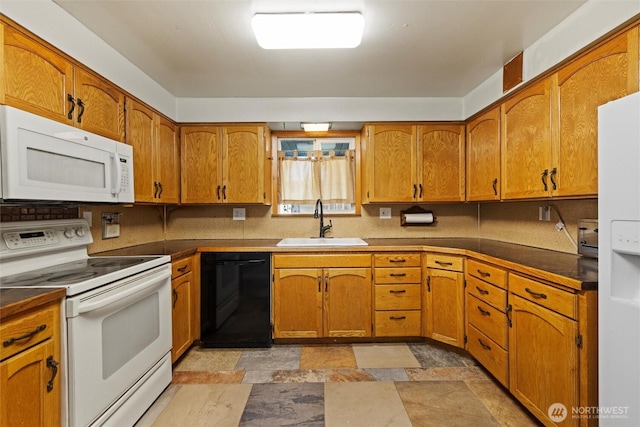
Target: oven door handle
[154,279]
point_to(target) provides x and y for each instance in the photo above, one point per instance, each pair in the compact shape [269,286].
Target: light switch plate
[544,213]
[385,213]
[88,216]
[239,214]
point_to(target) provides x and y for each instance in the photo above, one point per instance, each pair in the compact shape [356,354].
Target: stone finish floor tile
[285,376]
[284,405]
[388,374]
[444,403]
[270,359]
[208,359]
[447,374]
[502,406]
[431,356]
[220,377]
[219,405]
[158,406]
[327,357]
[369,404]
[384,356]
[349,375]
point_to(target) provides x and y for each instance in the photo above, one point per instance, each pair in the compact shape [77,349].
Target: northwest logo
[557,412]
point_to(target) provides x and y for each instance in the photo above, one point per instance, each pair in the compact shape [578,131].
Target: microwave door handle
[115,186]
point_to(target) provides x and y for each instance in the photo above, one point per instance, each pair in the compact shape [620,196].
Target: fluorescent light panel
[316,127]
[308,30]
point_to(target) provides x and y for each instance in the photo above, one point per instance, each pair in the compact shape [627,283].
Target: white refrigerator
[619,262]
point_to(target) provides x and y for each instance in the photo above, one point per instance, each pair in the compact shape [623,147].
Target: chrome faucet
[323,228]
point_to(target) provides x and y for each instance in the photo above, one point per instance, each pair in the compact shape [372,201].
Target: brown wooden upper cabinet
[483,157]
[608,72]
[225,164]
[39,79]
[156,155]
[409,163]
[550,129]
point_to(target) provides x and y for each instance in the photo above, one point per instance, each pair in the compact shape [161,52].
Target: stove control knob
[80,232]
[68,233]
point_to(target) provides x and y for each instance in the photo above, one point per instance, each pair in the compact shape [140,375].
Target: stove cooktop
[84,274]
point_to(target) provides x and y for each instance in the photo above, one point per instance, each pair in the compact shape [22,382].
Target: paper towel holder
[415,210]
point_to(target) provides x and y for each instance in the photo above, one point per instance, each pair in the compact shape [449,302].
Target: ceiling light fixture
[308,30]
[315,127]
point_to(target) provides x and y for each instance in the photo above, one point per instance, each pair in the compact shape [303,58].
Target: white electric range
[117,317]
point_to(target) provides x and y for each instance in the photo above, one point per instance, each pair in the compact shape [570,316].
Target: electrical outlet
[385,213]
[544,213]
[88,216]
[239,214]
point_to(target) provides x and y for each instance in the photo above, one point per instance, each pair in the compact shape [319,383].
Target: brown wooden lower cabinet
[185,291]
[30,370]
[330,300]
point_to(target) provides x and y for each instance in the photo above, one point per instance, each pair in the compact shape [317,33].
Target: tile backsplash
[515,222]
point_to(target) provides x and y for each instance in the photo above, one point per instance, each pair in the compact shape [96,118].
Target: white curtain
[304,180]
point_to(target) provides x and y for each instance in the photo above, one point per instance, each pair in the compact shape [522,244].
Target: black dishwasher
[235,298]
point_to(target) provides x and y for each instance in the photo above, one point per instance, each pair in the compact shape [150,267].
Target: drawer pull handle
[443,262]
[183,268]
[398,274]
[400,291]
[398,260]
[319,284]
[397,317]
[54,367]
[483,345]
[484,273]
[483,311]
[482,291]
[26,336]
[536,294]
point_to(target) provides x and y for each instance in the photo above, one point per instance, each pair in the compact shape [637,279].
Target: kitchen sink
[321,241]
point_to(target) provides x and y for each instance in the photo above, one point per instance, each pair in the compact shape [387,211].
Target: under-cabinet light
[308,30]
[315,127]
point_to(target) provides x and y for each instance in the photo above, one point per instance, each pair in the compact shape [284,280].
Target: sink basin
[321,241]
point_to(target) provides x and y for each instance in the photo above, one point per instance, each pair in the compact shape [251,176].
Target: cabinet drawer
[487,272]
[489,354]
[397,275]
[555,299]
[397,260]
[445,262]
[488,293]
[181,266]
[397,297]
[491,322]
[397,323]
[28,329]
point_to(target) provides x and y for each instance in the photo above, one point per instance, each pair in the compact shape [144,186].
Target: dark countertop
[15,301]
[572,271]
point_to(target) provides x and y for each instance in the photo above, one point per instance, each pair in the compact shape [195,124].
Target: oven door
[116,333]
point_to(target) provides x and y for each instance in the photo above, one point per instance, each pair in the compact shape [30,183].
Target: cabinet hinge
[579,340]
[367,194]
[428,283]
[367,132]
[264,196]
[465,339]
[465,283]
[509,308]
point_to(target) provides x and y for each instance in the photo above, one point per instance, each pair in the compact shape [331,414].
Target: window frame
[275,135]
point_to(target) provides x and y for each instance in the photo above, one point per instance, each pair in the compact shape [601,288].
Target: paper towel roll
[418,218]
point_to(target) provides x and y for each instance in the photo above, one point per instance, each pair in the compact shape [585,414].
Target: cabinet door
[26,401]
[390,163]
[483,157]
[140,135]
[181,315]
[200,159]
[347,305]
[607,73]
[543,359]
[297,307]
[99,105]
[243,164]
[167,152]
[35,78]
[444,316]
[441,163]
[526,143]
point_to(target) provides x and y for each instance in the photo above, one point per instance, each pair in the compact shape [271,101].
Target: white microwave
[44,160]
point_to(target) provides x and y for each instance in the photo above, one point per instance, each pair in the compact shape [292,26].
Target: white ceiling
[410,48]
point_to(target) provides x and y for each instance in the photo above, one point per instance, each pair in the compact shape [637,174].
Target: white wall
[591,21]
[49,21]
